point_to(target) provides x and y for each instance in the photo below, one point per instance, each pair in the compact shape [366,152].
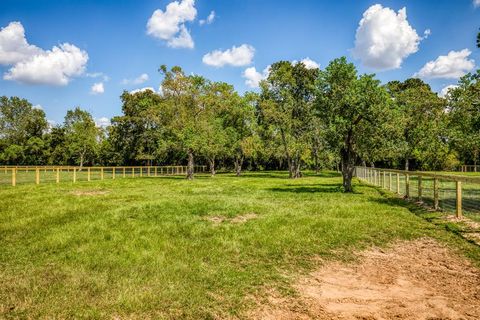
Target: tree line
[300,118]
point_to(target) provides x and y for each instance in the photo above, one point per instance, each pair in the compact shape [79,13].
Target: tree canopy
[301,118]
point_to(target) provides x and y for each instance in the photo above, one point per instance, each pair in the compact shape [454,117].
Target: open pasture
[170,248]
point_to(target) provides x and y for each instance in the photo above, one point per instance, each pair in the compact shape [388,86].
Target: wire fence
[449,193]
[14,175]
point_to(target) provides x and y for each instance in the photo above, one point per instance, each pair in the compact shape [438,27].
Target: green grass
[146,249]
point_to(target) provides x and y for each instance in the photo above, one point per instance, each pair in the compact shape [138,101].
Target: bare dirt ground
[471,229]
[89,192]
[217,220]
[418,279]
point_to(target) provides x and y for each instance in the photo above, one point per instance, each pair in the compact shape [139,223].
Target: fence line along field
[13,175]
[447,192]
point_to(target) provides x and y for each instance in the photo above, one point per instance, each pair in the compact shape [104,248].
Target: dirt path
[412,280]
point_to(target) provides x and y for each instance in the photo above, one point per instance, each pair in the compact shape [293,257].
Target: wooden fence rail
[14,175]
[454,193]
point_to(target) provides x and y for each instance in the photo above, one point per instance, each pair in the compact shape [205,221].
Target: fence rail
[450,193]
[13,175]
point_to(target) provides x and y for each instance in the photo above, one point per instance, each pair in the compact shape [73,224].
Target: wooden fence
[450,193]
[14,175]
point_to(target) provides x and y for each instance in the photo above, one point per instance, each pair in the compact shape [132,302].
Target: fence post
[58,175]
[390,181]
[398,183]
[101,173]
[419,188]
[88,174]
[14,177]
[113,172]
[74,175]
[37,176]
[124,172]
[155,173]
[407,185]
[148,171]
[459,200]
[141,171]
[435,193]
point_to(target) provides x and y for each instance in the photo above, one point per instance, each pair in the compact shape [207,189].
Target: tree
[464,115]
[138,135]
[423,122]
[478,40]
[81,136]
[21,128]
[351,108]
[285,104]
[187,110]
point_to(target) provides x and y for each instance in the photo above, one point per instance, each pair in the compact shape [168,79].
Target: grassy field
[170,248]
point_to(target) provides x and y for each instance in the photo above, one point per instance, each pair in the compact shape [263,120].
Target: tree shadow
[421,210]
[312,188]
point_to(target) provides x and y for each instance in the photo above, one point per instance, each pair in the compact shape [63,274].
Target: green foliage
[464,117]
[357,114]
[286,109]
[81,136]
[21,128]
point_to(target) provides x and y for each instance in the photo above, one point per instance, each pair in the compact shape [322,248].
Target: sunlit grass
[147,248]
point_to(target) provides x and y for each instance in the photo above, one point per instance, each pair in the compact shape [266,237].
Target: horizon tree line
[301,118]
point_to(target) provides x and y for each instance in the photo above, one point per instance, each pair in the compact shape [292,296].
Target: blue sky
[115,36]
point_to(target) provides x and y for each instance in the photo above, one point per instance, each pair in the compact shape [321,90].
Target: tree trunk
[190,165]
[294,168]
[315,157]
[407,164]
[212,166]
[238,165]
[475,158]
[82,157]
[348,163]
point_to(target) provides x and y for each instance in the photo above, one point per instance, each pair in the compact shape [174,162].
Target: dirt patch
[244,218]
[471,230]
[88,192]
[236,220]
[412,280]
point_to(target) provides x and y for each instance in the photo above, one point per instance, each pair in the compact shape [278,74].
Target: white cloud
[97,88]
[143,90]
[253,77]
[385,38]
[138,80]
[37,107]
[169,25]
[102,122]
[98,75]
[452,66]
[183,40]
[33,65]
[236,56]
[476,3]
[444,92]
[209,20]
[309,63]
[14,46]
[54,67]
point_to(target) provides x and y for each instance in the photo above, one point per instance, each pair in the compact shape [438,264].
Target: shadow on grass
[434,217]
[282,174]
[312,188]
